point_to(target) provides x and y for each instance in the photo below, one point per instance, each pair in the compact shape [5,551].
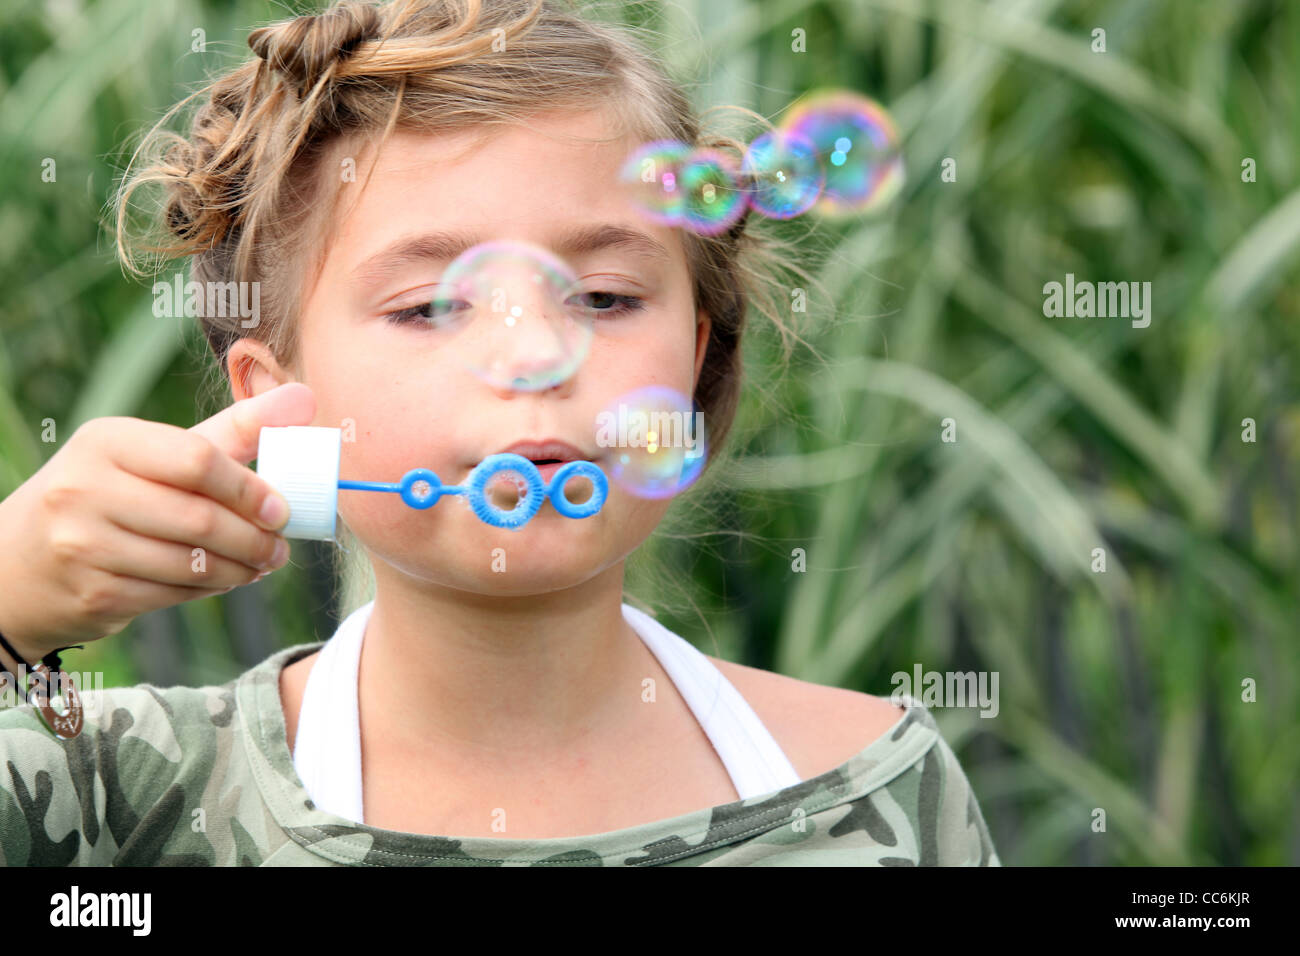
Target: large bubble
[785,174]
[656,440]
[515,315]
[858,147]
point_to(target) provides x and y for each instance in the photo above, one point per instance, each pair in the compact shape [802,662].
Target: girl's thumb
[236,430]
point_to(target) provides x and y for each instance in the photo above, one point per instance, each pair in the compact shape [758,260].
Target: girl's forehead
[555,169]
[572,138]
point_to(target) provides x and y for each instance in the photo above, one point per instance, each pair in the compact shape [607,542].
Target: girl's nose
[527,377]
[531,347]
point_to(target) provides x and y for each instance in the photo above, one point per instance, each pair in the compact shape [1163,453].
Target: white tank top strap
[327,744]
[753,758]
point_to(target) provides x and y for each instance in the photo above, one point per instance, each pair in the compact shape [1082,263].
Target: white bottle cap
[302,463]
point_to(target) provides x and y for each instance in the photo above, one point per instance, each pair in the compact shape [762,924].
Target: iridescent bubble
[652,175]
[714,199]
[656,440]
[785,173]
[517,317]
[858,145]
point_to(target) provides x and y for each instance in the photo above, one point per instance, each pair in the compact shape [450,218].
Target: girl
[496,701]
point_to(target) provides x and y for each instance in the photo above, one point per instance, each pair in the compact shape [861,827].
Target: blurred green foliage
[1120,690]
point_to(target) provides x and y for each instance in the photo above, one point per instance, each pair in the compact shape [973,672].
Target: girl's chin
[523,582]
[543,556]
[521,568]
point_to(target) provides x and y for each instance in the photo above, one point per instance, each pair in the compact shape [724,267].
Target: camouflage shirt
[204,776]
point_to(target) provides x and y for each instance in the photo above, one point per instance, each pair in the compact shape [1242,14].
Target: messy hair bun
[308,49]
[208,173]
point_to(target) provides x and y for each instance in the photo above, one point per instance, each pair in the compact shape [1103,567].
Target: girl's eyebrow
[446,246]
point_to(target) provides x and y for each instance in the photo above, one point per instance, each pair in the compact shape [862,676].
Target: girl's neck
[462,676]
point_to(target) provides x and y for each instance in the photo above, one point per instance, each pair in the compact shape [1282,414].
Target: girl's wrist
[14,623]
[28,656]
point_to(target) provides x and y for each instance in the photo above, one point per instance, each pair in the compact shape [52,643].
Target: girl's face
[414,405]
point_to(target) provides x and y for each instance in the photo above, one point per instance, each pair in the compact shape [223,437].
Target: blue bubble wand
[302,463]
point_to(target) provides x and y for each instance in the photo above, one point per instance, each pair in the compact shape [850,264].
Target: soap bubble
[858,146]
[518,319]
[675,185]
[506,489]
[713,198]
[656,439]
[787,177]
[652,175]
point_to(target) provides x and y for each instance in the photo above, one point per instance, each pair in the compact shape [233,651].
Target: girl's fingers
[187,461]
[133,593]
[170,514]
[168,564]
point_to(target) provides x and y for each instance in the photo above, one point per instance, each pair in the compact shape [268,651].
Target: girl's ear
[253,369]
[703,325]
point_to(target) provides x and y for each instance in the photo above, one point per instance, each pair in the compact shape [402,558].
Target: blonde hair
[253,177]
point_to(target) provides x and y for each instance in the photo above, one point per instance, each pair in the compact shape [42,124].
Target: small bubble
[505,490]
[787,178]
[649,175]
[675,185]
[713,197]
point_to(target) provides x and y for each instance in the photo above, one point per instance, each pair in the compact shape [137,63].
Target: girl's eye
[600,303]
[437,313]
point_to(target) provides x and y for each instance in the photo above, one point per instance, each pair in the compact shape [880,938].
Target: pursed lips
[547,454]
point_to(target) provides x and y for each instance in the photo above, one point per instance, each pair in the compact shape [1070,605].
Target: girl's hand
[131,516]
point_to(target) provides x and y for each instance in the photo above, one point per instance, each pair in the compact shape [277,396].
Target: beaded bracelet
[62,713]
